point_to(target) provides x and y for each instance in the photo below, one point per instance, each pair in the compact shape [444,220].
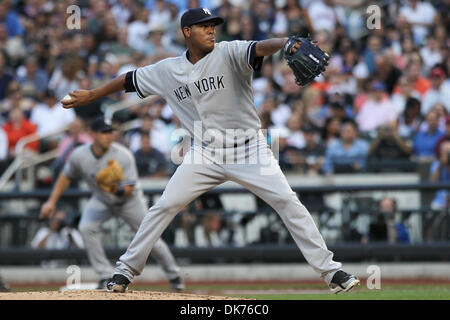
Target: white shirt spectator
[324,17]
[399,100]
[430,58]
[158,137]
[53,118]
[137,34]
[121,13]
[434,96]
[281,115]
[3,145]
[61,85]
[424,13]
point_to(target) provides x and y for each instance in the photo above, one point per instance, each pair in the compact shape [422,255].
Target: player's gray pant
[133,211]
[265,179]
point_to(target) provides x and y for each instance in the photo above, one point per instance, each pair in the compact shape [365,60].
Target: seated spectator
[444,138]
[58,235]
[157,129]
[3,150]
[440,173]
[424,142]
[439,92]
[348,154]
[388,146]
[150,162]
[50,115]
[419,15]
[311,157]
[404,92]
[414,75]
[378,109]
[384,228]
[408,124]
[18,127]
[430,54]
[210,233]
[331,130]
[5,76]
[32,79]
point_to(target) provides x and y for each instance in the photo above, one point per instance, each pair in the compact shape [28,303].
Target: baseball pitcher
[111,174]
[209,88]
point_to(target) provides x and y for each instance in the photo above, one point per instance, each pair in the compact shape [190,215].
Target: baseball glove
[307,62]
[108,179]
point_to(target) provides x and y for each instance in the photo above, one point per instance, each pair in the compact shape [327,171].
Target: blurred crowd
[382,103]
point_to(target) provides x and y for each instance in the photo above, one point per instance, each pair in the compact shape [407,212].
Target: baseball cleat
[177,285]
[118,283]
[343,281]
[102,284]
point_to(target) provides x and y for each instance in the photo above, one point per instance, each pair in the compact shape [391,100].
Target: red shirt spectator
[18,127]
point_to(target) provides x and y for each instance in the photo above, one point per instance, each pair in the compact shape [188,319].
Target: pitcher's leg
[188,182]
[133,212]
[94,215]
[271,186]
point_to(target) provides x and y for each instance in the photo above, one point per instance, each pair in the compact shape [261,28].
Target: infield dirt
[103,295]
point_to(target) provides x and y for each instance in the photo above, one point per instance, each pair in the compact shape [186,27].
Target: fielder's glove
[108,179]
[307,62]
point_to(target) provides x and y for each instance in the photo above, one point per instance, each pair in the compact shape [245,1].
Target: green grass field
[301,291]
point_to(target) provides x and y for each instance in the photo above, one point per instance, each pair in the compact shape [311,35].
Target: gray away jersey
[83,164]
[217,90]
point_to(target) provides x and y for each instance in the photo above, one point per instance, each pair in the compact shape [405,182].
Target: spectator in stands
[331,130]
[18,127]
[424,142]
[348,154]
[65,78]
[408,124]
[150,162]
[5,76]
[414,74]
[311,157]
[404,91]
[419,15]
[139,28]
[324,15]
[157,130]
[211,232]
[439,91]
[58,235]
[444,138]
[10,17]
[440,173]
[50,116]
[155,44]
[388,147]
[430,54]
[378,109]
[33,79]
[386,69]
[3,150]
[384,228]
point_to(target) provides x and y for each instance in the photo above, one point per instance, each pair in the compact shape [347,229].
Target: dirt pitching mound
[103,295]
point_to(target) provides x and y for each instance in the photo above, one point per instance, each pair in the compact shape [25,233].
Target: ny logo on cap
[207,11]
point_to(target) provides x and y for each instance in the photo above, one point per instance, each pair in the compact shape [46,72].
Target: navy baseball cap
[199,15]
[101,125]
